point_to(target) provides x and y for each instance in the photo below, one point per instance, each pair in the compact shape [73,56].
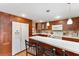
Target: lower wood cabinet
[41,35]
[70,39]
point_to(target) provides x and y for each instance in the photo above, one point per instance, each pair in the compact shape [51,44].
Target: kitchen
[59,29]
[41,28]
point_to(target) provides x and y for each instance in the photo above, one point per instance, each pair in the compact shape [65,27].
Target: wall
[68,30]
[6,31]
[66,27]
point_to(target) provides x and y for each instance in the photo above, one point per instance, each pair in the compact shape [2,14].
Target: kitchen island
[72,47]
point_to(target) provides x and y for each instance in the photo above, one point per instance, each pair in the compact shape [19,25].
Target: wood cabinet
[66,27]
[70,39]
[39,26]
[73,26]
[6,31]
[42,26]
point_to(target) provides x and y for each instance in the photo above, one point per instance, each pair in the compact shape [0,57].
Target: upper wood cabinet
[41,26]
[66,27]
[44,26]
[74,26]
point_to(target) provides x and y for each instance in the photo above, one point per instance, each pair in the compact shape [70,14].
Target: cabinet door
[39,26]
[42,26]
[15,37]
[24,34]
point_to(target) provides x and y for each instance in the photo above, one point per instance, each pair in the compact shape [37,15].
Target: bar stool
[49,52]
[31,48]
[36,50]
[63,53]
[40,50]
[54,52]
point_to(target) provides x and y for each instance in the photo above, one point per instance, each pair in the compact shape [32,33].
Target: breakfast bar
[62,44]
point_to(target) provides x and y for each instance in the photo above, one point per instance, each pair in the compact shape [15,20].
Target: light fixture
[23,15]
[47,10]
[69,20]
[48,24]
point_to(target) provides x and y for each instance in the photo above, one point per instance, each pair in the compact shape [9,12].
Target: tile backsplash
[58,33]
[71,33]
[61,33]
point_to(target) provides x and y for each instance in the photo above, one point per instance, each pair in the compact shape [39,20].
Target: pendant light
[48,24]
[69,20]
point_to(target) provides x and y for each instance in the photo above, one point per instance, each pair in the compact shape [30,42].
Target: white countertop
[41,33]
[66,45]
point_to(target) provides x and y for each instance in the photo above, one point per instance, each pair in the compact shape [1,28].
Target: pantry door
[16,36]
[24,34]
[20,33]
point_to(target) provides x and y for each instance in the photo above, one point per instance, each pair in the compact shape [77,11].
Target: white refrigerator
[20,33]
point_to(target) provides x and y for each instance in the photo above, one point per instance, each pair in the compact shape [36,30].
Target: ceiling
[37,11]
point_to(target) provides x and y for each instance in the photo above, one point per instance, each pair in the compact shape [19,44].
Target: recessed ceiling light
[68,3]
[47,10]
[23,15]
